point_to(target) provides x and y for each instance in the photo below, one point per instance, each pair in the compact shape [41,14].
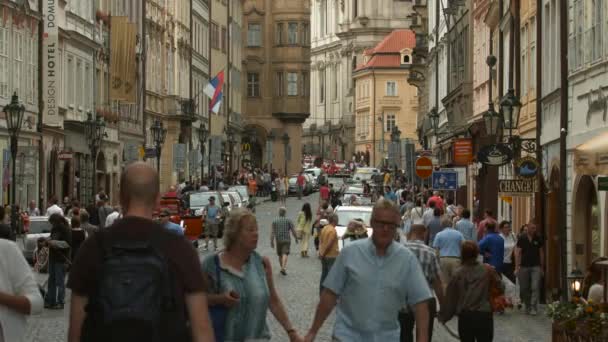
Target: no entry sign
[424,167]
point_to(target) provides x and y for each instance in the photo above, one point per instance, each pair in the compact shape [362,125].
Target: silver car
[39,228]
[242,190]
[348,213]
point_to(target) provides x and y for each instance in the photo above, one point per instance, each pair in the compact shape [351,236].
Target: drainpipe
[563,153]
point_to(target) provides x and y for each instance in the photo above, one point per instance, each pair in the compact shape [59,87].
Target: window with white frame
[321,85]
[279,34]
[253,84]
[334,82]
[254,34]
[292,84]
[390,121]
[597,29]
[69,78]
[305,35]
[18,63]
[391,88]
[79,83]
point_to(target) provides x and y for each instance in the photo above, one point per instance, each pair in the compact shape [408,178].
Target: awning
[591,158]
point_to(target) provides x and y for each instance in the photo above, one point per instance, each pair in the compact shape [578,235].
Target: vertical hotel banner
[122,60]
[50,64]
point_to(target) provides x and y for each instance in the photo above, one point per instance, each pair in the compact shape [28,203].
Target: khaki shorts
[212,229]
[283,247]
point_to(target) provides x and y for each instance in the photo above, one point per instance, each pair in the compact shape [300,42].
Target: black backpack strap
[218,272]
[158,241]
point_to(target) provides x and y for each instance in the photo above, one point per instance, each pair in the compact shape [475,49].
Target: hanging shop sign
[495,154]
[527,167]
[602,183]
[463,152]
[517,187]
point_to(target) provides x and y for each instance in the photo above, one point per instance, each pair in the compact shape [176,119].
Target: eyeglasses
[377,225]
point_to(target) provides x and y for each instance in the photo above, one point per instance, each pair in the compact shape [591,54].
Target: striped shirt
[428,259]
[281,226]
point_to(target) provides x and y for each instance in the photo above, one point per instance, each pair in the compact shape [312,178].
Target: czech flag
[214,91]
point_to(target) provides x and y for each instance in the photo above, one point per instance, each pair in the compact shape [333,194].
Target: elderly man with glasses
[373,279]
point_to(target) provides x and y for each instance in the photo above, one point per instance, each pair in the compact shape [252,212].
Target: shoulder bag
[218,313]
[498,301]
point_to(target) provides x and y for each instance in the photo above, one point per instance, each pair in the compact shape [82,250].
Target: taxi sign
[424,167]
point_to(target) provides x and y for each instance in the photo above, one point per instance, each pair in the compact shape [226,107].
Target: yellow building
[383,98]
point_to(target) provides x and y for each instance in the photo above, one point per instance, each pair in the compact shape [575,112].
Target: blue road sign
[445,180]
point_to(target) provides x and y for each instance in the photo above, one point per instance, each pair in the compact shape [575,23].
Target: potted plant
[579,319]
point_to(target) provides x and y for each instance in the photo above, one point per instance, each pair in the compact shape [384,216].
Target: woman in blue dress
[245,285]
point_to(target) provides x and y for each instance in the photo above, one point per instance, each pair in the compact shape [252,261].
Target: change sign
[517,187]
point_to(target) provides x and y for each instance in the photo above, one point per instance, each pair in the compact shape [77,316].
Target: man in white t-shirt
[54,208]
[116,214]
[19,294]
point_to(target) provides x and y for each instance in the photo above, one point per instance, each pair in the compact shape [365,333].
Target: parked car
[39,227]
[230,197]
[313,181]
[293,187]
[348,213]
[198,200]
[238,199]
[357,191]
[315,171]
[242,190]
[365,174]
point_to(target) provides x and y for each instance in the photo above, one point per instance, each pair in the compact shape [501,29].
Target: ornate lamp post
[94,131]
[231,144]
[491,118]
[285,145]
[576,280]
[13,112]
[203,134]
[159,133]
[271,138]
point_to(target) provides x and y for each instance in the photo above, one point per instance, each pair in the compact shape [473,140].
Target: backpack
[134,298]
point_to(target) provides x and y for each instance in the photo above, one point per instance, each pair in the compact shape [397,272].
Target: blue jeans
[326,264]
[56,284]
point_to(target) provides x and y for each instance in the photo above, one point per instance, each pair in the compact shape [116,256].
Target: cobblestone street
[299,292]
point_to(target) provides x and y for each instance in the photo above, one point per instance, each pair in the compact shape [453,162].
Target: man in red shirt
[487,219]
[301,181]
[437,199]
[324,193]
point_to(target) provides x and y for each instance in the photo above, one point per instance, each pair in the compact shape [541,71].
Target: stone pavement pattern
[299,292]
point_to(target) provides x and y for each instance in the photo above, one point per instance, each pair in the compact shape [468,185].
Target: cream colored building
[384,98]
[341,31]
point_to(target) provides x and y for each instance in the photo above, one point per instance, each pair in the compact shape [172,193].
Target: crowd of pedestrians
[133,278]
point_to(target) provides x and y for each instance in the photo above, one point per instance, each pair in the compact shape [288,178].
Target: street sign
[462,174]
[602,183]
[517,187]
[463,151]
[424,167]
[445,180]
[179,156]
[65,155]
[131,152]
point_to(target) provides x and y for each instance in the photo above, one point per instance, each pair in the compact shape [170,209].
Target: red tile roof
[388,52]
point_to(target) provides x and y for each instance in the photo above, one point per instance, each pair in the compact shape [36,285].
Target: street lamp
[203,134]
[576,280]
[158,135]
[491,118]
[94,130]
[271,137]
[510,108]
[13,112]
[285,143]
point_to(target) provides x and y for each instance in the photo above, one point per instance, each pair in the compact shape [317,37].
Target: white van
[315,172]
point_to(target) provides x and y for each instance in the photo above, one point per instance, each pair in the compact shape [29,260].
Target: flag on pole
[214,91]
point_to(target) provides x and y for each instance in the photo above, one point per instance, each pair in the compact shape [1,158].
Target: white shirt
[54,209]
[16,278]
[112,217]
[428,216]
[510,242]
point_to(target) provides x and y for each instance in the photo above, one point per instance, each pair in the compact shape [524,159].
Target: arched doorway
[586,234]
[256,136]
[552,229]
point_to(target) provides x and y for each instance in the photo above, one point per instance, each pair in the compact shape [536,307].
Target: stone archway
[256,136]
[586,233]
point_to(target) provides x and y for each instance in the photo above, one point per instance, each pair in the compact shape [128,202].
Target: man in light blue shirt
[448,242]
[374,278]
[165,221]
[465,226]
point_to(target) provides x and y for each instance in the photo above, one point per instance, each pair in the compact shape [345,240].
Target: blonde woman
[241,280]
[304,228]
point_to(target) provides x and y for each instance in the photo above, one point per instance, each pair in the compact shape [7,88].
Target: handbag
[218,313]
[498,301]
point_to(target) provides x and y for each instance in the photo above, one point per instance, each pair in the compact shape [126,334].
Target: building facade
[587,120]
[384,100]
[200,78]
[276,91]
[341,31]
[19,67]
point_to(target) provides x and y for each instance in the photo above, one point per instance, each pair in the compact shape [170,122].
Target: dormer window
[406,57]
